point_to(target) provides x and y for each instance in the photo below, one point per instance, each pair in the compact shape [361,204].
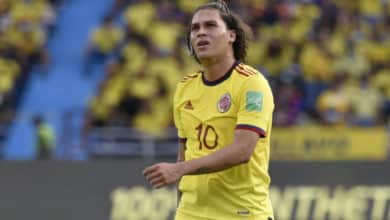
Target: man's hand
[163,174]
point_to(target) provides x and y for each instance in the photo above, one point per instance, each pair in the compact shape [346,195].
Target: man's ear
[232,36]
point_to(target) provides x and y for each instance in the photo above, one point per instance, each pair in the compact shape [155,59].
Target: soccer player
[223,115]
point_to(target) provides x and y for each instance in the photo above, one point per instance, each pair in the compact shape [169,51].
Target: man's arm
[238,152]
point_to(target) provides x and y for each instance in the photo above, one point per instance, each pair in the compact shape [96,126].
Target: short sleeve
[176,116]
[256,105]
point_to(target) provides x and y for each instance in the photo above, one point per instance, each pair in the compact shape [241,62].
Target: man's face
[210,37]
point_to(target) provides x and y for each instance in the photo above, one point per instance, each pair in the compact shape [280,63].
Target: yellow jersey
[206,114]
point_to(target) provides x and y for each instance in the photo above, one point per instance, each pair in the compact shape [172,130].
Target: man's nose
[201,32]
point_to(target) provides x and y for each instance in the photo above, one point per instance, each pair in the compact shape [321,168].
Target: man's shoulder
[189,78]
[187,82]
[244,72]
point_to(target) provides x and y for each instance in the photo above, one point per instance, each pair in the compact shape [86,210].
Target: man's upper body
[207,114]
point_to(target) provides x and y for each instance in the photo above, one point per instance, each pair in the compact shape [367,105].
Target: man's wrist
[183,168]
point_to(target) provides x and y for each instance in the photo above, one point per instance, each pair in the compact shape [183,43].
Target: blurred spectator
[45,138]
[36,12]
[366,103]
[29,41]
[165,29]
[9,70]
[278,56]
[103,42]
[353,63]
[139,16]
[333,104]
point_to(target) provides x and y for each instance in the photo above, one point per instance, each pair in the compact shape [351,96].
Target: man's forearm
[240,151]
[222,159]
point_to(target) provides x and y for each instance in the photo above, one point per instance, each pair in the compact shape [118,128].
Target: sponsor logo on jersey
[188,105]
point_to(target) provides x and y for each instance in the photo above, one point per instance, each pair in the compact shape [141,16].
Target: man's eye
[211,25]
[194,28]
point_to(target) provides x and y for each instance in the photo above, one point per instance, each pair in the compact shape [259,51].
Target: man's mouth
[202,43]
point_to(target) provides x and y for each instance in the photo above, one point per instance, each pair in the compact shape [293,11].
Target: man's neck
[217,69]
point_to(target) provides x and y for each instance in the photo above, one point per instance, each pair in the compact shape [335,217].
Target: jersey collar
[223,78]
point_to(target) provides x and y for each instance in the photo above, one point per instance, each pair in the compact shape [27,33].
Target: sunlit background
[86,88]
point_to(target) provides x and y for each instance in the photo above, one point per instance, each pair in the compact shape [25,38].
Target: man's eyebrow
[206,21]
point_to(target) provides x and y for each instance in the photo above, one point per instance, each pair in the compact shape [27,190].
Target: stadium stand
[25,27]
[64,91]
[327,61]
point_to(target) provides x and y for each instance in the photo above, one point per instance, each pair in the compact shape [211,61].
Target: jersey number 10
[203,138]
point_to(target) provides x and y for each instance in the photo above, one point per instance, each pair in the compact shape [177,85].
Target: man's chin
[204,56]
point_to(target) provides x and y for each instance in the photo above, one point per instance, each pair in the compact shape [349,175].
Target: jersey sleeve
[176,115]
[256,106]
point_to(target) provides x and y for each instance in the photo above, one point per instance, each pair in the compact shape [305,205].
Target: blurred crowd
[25,26]
[328,61]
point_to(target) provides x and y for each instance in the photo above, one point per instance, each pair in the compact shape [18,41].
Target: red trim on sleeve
[182,140]
[259,131]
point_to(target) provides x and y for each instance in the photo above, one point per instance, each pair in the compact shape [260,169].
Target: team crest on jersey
[224,103]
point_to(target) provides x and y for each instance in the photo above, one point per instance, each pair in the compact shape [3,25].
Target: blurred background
[86,97]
